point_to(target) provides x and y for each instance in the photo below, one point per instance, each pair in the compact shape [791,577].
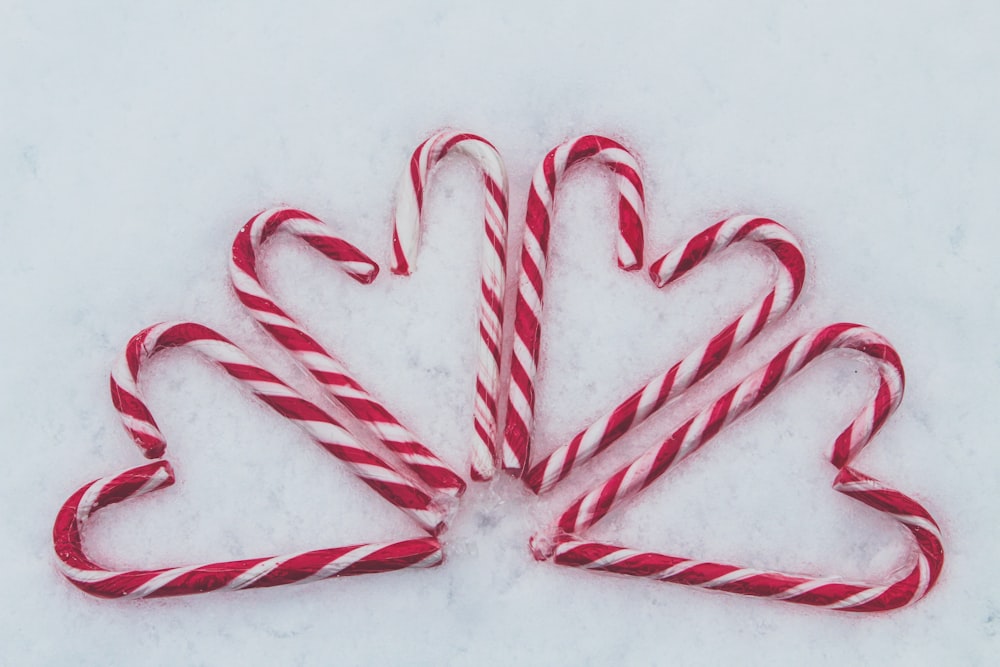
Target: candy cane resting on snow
[323,366]
[294,568]
[568,548]
[405,241]
[541,206]
[320,426]
[787,286]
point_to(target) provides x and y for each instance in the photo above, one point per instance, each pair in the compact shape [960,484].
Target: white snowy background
[135,140]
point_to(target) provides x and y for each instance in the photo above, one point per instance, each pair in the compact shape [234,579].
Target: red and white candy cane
[297,568]
[323,428]
[787,286]
[405,241]
[541,207]
[568,548]
[322,365]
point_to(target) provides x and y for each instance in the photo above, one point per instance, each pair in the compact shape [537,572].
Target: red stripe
[250,373]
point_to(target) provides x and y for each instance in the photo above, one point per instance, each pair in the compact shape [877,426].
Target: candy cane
[405,238]
[570,550]
[294,568]
[541,207]
[323,428]
[330,372]
[681,376]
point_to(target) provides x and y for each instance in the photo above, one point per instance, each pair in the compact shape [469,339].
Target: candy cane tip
[481,475]
[404,270]
[152,451]
[654,273]
[542,546]
[366,276]
[633,265]
[839,458]
[168,470]
[515,470]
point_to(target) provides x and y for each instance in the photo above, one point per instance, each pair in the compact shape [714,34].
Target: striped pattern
[787,286]
[321,427]
[568,549]
[405,241]
[322,365]
[541,207]
[294,568]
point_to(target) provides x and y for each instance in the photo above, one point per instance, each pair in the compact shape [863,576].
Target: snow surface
[135,140]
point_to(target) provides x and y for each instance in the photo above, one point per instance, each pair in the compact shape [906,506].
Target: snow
[134,142]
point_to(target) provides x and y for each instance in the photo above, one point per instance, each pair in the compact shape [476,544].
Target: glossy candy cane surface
[785,289]
[321,427]
[566,546]
[321,364]
[527,316]
[296,568]
[405,242]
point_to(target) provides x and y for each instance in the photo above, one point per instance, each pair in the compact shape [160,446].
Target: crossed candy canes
[235,575]
[429,495]
[568,548]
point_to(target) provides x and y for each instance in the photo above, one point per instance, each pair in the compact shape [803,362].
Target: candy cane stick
[405,238]
[323,429]
[681,376]
[294,568]
[527,328]
[330,372]
[570,550]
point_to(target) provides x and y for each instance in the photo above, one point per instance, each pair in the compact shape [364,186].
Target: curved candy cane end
[483,469]
[479,475]
[839,459]
[365,273]
[632,264]
[655,273]
[542,546]
[151,452]
[545,545]
[399,265]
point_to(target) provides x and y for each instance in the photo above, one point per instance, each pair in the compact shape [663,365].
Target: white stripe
[84,576]
[158,582]
[140,425]
[735,575]
[86,506]
[859,598]
[254,573]
[612,558]
[674,570]
[338,564]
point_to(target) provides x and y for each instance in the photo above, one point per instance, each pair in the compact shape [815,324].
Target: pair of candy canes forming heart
[429,495]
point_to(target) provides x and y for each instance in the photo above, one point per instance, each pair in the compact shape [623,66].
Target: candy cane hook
[284,400]
[656,393]
[294,568]
[569,549]
[405,240]
[541,207]
[322,365]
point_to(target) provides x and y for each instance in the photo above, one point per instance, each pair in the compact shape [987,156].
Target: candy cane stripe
[233,575]
[406,227]
[284,400]
[327,370]
[567,548]
[667,386]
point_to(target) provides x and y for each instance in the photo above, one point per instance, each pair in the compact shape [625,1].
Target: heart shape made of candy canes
[565,544]
[663,388]
[234,575]
[429,497]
